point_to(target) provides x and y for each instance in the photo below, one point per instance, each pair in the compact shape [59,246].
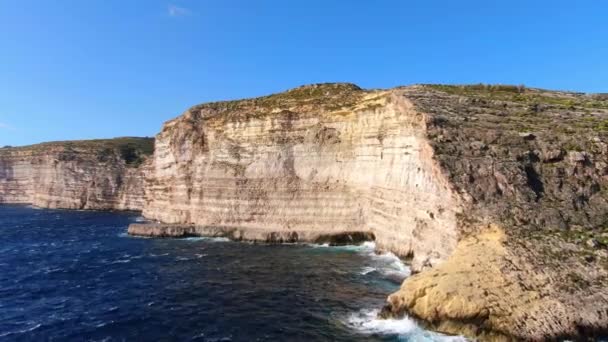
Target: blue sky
[96,69]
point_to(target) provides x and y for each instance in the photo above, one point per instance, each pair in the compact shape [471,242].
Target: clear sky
[102,68]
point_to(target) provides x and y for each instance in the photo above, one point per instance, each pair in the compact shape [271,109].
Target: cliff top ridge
[133,150]
[145,144]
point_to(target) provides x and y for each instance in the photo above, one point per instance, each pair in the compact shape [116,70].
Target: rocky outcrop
[250,234]
[497,194]
[94,174]
[327,159]
[531,169]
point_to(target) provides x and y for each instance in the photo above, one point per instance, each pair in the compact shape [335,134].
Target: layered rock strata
[531,168]
[250,234]
[326,159]
[94,174]
[497,194]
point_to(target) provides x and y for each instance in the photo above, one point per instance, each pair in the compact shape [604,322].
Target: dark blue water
[76,275]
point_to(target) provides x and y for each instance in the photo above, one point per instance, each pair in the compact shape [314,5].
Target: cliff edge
[496,194]
[531,169]
[88,174]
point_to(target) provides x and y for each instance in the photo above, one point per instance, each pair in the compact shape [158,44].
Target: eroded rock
[442,175]
[94,174]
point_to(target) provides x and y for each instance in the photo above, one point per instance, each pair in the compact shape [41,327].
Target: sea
[78,276]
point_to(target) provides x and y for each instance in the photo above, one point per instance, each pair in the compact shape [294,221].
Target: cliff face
[531,168]
[95,174]
[326,159]
[496,193]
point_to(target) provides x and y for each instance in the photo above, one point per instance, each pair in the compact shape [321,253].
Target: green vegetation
[132,150]
[525,95]
[599,234]
[309,98]
[478,88]
[578,281]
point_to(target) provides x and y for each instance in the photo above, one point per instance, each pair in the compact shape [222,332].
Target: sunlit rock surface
[496,194]
[493,192]
[93,174]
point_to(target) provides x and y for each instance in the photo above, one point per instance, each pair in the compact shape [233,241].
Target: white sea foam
[220,239]
[367,270]
[103,324]
[366,246]
[367,322]
[48,270]
[127,235]
[369,245]
[205,238]
[392,265]
[195,238]
[18,332]
[387,264]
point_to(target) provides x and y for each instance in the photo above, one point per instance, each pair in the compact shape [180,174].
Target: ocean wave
[49,270]
[367,246]
[103,324]
[388,264]
[125,258]
[205,238]
[367,322]
[392,265]
[18,332]
[127,235]
[158,255]
[367,270]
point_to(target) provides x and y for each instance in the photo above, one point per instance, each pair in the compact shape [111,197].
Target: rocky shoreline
[497,194]
[249,234]
[103,174]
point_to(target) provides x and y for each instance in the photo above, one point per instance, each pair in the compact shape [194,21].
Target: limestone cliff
[93,174]
[497,194]
[531,168]
[330,159]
